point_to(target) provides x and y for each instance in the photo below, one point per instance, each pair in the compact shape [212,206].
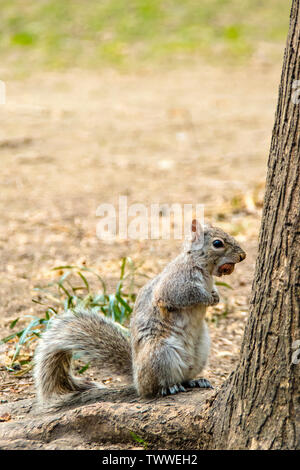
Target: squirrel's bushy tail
[91,334]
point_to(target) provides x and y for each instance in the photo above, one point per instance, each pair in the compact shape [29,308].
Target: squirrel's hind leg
[177,388]
[199,383]
[158,369]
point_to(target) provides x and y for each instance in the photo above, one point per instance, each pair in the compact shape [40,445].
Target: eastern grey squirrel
[168,345]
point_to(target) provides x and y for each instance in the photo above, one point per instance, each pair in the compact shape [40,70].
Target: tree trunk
[258,407]
[261,407]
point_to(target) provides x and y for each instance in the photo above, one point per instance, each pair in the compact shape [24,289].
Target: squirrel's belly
[190,345]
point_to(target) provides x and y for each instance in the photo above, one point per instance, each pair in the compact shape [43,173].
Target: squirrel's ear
[195,229]
[197,233]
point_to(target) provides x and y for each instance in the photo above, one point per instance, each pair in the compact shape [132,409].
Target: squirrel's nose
[242,256]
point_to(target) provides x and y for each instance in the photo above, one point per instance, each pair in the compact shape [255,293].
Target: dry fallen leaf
[5,417]
[107,381]
[224,354]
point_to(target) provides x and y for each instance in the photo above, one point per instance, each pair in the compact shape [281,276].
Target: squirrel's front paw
[215,298]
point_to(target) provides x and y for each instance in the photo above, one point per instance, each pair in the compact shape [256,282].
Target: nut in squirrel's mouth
[226,269]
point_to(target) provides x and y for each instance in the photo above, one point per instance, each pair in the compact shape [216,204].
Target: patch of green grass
[71,290]
[55,33]
[139,440]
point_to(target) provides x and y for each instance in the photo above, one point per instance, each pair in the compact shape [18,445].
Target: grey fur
[169,336]
[91,334]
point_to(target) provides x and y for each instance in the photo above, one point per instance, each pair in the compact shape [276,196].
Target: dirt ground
[71,141]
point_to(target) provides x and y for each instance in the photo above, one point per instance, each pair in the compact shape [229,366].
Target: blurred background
[162,101]
[100,33]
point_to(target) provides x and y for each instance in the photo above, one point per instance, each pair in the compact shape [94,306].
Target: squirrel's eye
[218,244]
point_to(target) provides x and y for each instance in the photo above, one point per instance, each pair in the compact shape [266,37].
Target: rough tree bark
[262,402]
[258,407]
